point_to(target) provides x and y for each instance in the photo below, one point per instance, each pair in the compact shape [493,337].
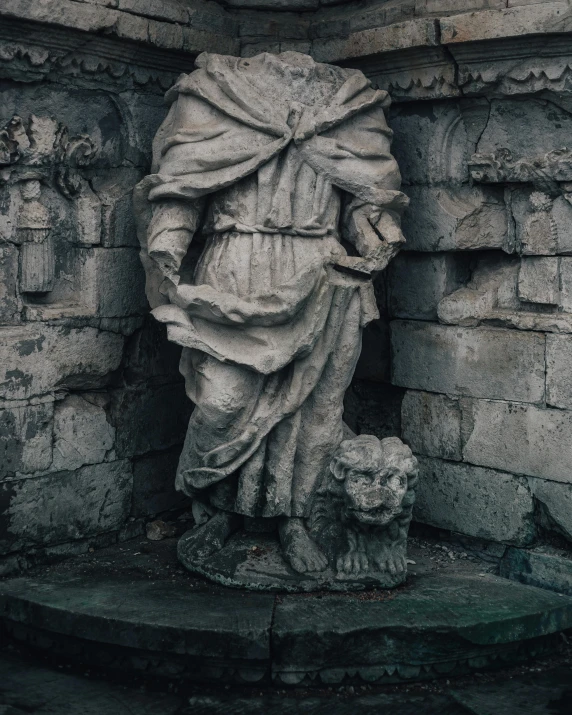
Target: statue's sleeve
[356,156]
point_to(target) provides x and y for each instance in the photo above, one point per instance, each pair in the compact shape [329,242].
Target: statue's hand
[377,236]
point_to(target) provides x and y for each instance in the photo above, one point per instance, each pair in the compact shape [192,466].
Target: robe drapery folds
[266,158]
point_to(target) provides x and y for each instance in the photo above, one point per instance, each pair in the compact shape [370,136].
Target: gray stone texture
[542,567]
[431,424]
[149,418]
[539,280]
[519,438]
[475,362]
[37,358]
[483,503]
[82,433]
[64,354]
[449,218]
[26,438]
[555,505]
[64,506]
[417,282]
[559,371]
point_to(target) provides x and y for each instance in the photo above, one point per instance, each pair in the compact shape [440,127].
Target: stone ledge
[398,36]
[130,610]
[543,567]
[536,19]
[98,19]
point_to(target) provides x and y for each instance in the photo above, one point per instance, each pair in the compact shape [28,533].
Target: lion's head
[374,476]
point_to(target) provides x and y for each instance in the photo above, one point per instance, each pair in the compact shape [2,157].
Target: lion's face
[374,499]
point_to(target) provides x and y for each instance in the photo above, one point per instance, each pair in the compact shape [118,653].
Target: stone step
[440,623]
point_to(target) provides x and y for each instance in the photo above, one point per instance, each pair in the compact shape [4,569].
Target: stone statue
[266,165]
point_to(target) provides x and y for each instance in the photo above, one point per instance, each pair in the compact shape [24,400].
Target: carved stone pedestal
[255,562]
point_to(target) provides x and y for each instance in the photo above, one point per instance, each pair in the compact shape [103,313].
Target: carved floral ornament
[42,149]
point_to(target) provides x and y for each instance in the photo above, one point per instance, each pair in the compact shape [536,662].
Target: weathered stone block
[430,143]
[119,222]
[9,301]
[432,424]
[566,284]
[154,484]
[444,7]
[82,434]
[493,286]
[539,280]
[559,371]
[118,281]
[418,281]
[542,226]
[149,418]
[526,129]
[34,359]
[88,218]
[491,24]
[521,438]
[64,506]
[477,362]
[540,567]
[26,438]
[562,217]
[460,218]
[398,36]
[555,500]
[170,10]
[478,502]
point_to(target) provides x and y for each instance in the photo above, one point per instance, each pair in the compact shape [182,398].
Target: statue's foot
[205,540]
[298,548]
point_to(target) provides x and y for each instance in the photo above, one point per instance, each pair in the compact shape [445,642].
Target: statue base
[254,561]
[132,609]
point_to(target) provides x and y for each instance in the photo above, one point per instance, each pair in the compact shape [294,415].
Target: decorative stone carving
[272,160]
[37,257]
[41,177]
[544,170]
[362,509]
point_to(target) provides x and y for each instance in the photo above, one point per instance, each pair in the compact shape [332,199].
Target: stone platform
[134,609]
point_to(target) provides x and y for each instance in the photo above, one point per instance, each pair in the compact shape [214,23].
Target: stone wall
[92,408]
[479,307]
[477,372]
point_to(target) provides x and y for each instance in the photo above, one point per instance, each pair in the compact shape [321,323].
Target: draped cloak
[265,158]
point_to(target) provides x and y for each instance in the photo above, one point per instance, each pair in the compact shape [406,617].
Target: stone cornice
[516,50]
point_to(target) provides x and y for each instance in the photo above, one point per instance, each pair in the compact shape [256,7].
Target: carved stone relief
[531,292]
[270,162]
[41,178]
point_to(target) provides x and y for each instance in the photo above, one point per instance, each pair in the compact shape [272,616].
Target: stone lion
[363,507]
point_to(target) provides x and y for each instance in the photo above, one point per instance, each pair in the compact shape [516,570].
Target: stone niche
[471,360]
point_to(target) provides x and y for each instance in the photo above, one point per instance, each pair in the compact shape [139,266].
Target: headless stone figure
[267,163]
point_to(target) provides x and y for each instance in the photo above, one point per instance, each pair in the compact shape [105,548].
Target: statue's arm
[171,230]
